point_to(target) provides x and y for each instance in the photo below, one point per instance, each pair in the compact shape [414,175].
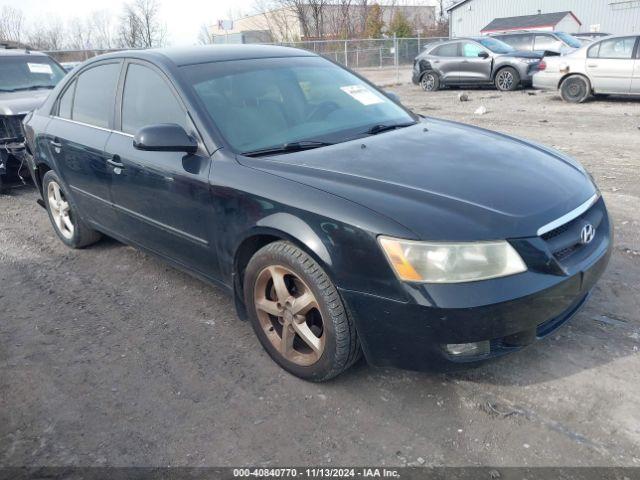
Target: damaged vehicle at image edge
[26,78]
[340,222]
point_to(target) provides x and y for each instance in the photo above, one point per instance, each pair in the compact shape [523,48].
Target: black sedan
[339,221]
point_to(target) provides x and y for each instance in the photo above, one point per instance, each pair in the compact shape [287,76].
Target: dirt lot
[109,357]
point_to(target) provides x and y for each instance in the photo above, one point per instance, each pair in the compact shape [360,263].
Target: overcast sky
[183,17]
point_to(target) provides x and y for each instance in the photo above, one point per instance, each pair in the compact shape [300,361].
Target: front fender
[295,229]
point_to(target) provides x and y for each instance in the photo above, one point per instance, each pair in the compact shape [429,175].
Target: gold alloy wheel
[60,210]
[289,315]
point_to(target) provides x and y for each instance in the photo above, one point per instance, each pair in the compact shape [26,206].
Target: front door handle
[115,162]
[55,144]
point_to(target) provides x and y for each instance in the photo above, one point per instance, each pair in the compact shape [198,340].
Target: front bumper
[510,313]
[11,157]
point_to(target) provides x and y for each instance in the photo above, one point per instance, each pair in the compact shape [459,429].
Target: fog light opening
[468,349]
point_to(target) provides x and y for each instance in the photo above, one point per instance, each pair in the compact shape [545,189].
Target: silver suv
[544,42]
[25,80]
[474,61]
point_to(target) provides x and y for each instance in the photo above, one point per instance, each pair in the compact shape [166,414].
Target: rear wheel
[575,89]
[297,313]
[430,82]
[507,79]
[64,215]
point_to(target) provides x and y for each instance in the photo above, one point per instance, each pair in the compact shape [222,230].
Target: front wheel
[64,215]
[575,89]
[297,313]
[507,79]
[430,82]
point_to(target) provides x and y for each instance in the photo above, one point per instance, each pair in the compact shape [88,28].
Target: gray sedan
[610,66]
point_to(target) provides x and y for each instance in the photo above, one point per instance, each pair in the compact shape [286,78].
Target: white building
[470,17]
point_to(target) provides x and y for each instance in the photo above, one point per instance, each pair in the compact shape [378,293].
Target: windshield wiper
[33,87]
[376,129]
[287,148]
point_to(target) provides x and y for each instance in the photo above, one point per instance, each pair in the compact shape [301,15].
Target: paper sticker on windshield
[40,68]
[362,94]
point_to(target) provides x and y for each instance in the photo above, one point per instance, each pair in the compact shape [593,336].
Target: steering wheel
[321,111]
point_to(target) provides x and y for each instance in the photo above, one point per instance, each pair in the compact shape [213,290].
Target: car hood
[22,102]
[444,180]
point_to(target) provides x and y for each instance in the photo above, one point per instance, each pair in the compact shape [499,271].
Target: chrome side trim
[82,123]
[92,126]
[576,212]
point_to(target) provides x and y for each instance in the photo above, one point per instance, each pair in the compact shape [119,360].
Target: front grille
[565,241]
[11,128]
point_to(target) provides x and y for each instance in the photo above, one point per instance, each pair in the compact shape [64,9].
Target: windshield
[26,72]
[263,103]
[495,45]
[570,40]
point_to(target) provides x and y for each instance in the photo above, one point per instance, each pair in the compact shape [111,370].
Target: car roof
[181,56]
[19,52]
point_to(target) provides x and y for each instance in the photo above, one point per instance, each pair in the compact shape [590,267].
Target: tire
[2,190]
[575,89]
[430,81]
[66,221]
[507,79]
[287,331]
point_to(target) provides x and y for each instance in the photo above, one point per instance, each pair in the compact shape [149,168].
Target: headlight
[431,262]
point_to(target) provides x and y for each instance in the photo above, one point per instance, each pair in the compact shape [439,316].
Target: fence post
[395,57]
[380,57]
[346,55]
[357,57]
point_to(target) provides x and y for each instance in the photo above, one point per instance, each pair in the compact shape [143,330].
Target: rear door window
[547,42]
[148,100]
[449,50]
[95,95]
[66,102]
[615,48]
[519,42]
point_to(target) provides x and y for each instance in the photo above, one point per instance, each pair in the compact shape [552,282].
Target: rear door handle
[115,162]
[55,143]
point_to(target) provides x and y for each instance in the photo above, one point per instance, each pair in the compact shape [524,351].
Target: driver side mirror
[164,137]
[484,55]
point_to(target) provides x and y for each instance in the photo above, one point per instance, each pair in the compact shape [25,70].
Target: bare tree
[11,23]
[204,37]
[141,26]
[79,34]
[47,35]
[103,29]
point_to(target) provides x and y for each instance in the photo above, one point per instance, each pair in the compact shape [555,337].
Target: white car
[607,66]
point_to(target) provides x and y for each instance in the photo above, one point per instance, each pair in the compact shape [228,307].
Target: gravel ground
[110,357]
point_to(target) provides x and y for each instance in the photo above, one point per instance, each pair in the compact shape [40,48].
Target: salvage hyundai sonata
[341,222]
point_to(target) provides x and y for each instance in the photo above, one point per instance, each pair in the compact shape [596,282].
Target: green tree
[374,23]
[400,25]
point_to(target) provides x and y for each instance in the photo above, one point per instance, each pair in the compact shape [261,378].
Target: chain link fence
[368,53]
[355,53]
